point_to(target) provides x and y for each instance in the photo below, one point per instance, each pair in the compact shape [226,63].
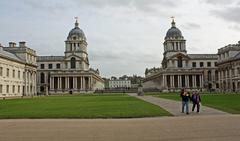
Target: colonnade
[183,81]
[74,83]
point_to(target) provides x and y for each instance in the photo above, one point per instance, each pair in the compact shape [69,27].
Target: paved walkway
[174,107]
[188,128]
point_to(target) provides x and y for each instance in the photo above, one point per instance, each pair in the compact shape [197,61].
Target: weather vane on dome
[76,23]
[173,22]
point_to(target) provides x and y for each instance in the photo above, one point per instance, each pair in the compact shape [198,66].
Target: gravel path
[184,128]
[174,107]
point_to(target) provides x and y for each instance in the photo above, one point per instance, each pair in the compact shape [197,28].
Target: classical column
[81,78]
[180,81]
[186,81]
[200,81]
[89,82]
[60,83]
[67,82]
[193,80]
[84,83]
[50,83]
[74,83]
[171,81]
[163,81]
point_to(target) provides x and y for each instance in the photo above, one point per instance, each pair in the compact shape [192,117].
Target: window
[1,71]
[42,78]
[19,74]
[73,63]
[13,89]
[215,63]
[180,64]
[201,64]
[49,66]
[42,66]
[13,75]
[7,72]
[7,90]
[209,64]
[24,77]
[58,66]
[194,64]
[0,88]
[18,89]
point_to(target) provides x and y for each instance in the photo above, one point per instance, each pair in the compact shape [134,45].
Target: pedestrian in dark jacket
[196,99]
[185,100]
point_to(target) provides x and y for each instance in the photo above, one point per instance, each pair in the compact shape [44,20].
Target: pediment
[177,55]
[70,56]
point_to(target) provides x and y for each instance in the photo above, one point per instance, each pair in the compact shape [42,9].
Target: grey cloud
[190,26]
[48,5]
[219,2]
[133,3]
[234,27]
[141,5]
[228,14]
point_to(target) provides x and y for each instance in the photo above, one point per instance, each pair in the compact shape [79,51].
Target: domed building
[69,73]
[181,70]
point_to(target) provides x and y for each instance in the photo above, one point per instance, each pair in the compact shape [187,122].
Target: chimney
[22,44]
[12,44]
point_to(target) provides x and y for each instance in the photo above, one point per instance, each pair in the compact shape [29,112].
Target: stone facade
[71,72]
[229,68]
[115,84]
[181,70]
[18,69]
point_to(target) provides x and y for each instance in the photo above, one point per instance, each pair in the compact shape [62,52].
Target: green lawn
[79,106]
[226,102]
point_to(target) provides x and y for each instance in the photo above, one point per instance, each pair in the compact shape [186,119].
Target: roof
[203,56]
[173,32]
[237,56]
[50,58]
[76,31]
[9,55]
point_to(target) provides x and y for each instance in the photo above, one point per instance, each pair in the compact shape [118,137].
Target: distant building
[18,70]
[119,84]
[69,73]
[229,68]
[180,69]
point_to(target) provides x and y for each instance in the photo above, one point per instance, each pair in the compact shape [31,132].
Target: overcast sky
[124,36]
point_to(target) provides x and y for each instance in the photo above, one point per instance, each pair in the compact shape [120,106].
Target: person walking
[185,100]
[196,99]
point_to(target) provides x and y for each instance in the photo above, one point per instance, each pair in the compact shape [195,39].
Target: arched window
[180,64]
[42,77]
[73,63]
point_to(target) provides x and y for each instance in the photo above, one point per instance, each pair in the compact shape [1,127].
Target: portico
[71,83]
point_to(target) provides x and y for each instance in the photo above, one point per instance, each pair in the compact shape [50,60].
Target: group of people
[187,97]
